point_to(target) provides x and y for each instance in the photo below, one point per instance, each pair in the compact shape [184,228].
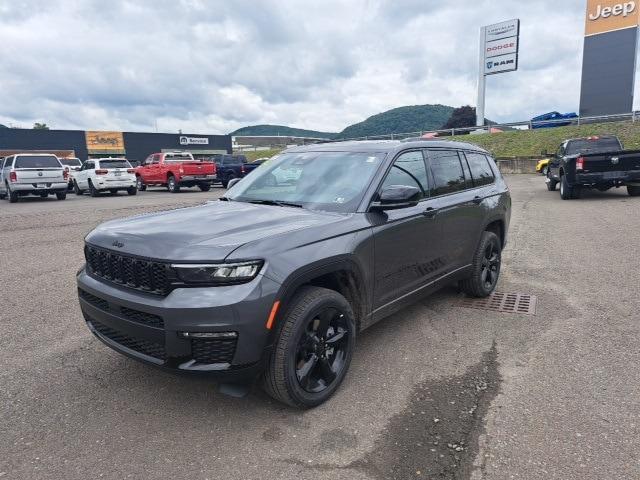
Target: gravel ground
[435,391]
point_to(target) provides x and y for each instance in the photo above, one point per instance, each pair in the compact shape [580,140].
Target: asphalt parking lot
[435,391]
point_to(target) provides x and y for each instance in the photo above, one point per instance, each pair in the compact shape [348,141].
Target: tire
[13,197]
[205,187]
[113,191]
[93,191]
[633,190]
[566,190]
[140,184]
[226,180]
[76,189]
[301,347]
[172,185]
[551,184]
[3,196]
[61,195]
[485,270]
[132,191]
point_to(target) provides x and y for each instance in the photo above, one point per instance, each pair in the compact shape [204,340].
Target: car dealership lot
[434,390]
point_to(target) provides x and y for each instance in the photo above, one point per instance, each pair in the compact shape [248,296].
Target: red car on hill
[174,170]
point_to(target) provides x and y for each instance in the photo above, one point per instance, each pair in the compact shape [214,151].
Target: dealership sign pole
[499,47]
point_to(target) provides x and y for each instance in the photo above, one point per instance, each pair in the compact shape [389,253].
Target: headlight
[218,273]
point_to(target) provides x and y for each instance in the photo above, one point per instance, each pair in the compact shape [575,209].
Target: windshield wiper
[276,203]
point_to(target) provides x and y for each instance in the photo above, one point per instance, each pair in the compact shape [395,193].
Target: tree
[40,126]
[461,117]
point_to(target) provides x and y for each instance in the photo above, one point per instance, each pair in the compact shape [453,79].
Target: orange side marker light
[272,315]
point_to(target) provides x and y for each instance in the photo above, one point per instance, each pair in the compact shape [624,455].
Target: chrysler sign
[194,141]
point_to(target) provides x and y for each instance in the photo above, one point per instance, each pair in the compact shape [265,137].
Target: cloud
[212,66]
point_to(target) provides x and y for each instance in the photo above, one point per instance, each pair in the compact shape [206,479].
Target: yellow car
[542,166]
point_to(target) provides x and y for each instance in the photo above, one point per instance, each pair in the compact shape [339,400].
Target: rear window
[114,164]
[232,161]
[29,161]
[173,158]
[594,145]
[71,162]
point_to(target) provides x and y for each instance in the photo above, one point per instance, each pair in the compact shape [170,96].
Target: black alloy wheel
[322,350]
[490,266]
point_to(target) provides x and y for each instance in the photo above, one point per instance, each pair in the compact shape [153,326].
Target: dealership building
[95,144]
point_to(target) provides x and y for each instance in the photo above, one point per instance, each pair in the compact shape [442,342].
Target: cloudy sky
[207,66]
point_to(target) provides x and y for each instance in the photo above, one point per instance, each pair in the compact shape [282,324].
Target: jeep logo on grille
[615,160]
[118,244]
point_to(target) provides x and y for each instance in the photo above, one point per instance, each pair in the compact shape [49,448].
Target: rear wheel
[140,184]
[172,185]
[568,192]
[313,350]
[76,189]
[205,187]
[485,269]
[93,190]
[132,191]
[13,196]
[61,195]
[633,190]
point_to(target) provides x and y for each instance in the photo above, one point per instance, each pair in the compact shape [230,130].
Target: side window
[468,182]
[410,170]
[8,162]
[90,166]
[448,176]
[155,158]
[480,169]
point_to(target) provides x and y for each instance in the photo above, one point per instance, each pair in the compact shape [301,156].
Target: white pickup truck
[39,174]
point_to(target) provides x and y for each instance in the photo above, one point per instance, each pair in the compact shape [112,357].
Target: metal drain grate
[504,303]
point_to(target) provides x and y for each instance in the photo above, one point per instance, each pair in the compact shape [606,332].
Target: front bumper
[596,178]
[148,327]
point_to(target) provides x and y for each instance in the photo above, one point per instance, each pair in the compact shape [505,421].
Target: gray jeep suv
[276,279]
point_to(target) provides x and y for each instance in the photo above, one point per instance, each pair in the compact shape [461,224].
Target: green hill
[529,143]
[412,118]
[279,131]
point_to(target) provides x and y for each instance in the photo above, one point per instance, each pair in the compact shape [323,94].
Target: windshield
[37,161]
[595,145]
[71,162]
[330,181]
[114,164]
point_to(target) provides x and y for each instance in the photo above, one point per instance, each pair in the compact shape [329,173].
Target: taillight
[13,177]
[580,163]
[215,169]
[65,173]
[242,169]
[130,170]
[102,172]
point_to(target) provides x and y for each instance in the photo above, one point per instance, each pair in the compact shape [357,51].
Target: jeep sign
[609,15]
[194,141]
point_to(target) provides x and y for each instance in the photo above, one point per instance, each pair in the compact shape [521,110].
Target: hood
[207,232]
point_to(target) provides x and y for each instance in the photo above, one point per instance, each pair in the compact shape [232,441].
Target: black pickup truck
[598,162]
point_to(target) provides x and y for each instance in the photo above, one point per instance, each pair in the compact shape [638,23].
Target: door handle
[430,212]
[477,200]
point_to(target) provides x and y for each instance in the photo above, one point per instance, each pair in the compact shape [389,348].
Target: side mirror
[397,196]
[232,182]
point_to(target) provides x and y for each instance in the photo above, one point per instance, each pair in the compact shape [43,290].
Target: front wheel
[205,187]
[140,184]
[172,185]
[314,348]
[633,190]
[485,269]
[76,189]
[551,183]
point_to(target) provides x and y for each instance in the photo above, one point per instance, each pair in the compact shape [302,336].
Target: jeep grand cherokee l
[276,279]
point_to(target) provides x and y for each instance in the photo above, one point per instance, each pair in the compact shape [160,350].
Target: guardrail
[525,125]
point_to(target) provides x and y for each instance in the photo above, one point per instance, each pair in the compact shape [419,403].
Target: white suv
[105,175]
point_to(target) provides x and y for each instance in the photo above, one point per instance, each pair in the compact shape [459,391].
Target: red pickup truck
[174,170]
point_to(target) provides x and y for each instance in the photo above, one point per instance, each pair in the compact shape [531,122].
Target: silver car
[39,174]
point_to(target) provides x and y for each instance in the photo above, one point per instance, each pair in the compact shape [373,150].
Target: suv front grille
[143,275]
[142,317]
[139,345]
[216,350]
[97,302]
